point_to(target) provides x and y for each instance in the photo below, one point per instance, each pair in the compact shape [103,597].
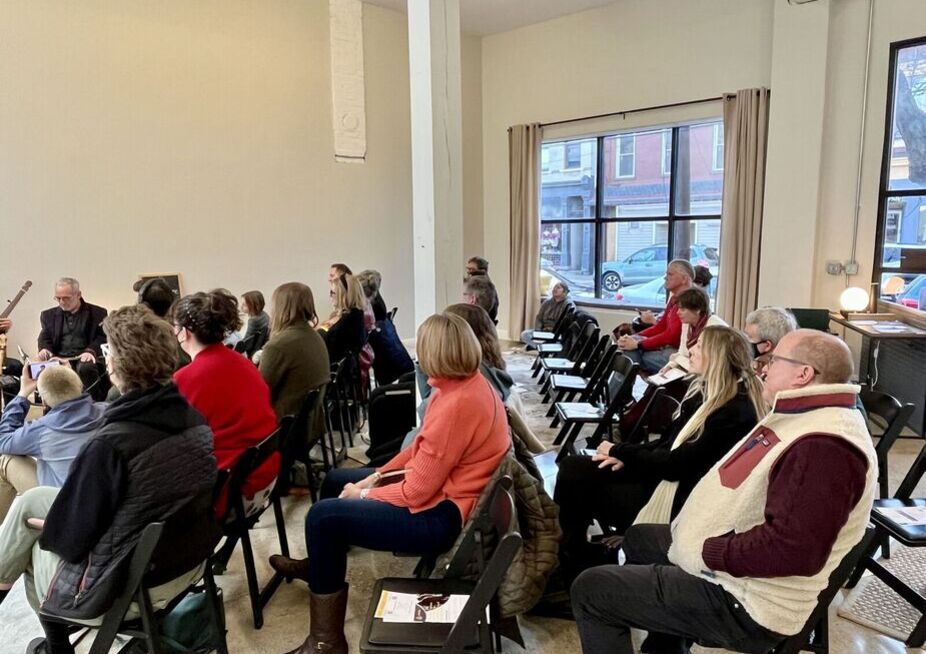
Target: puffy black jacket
[151,461]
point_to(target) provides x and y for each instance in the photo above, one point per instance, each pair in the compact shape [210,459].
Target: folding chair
[605,406]
[890,416]
[565,344]
[575,358]
[910,535]
[392,416]
[814,637]
[240,521]
[567,387]
[471,630]
[297,440]
[391,314]
[585,363]
[560,325]
[138,584]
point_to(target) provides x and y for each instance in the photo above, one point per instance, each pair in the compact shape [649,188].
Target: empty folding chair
[567,387]
[604,408]
[888,524]
[472,629]
[553,335]
[890,417]
[575,359]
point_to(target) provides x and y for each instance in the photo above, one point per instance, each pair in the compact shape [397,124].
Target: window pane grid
[610,231]
[900,248]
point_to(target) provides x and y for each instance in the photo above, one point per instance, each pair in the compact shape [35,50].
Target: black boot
[290,568]
[326,635]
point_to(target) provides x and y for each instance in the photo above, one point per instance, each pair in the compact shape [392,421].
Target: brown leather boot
[327,618]
[290,568]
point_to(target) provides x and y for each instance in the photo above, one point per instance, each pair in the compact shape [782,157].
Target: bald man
[742,564]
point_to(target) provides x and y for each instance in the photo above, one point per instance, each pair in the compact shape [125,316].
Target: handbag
[189,627]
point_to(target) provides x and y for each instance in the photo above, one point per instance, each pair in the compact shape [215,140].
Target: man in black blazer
[74,330]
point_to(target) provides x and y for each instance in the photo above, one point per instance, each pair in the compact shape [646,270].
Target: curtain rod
[632,111]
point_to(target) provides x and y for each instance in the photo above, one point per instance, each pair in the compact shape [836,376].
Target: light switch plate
[833,267]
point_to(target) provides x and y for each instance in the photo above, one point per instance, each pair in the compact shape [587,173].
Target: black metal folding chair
[889,417]
[814,637]
[553,335]
[471,630]
[579,388]
[243,517]
[575,359]
[145,628]
[883,517]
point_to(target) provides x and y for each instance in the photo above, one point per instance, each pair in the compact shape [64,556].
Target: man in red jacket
[652,347]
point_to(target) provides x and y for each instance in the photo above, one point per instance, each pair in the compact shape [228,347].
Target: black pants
[585,493]
[650,593]
[92,376]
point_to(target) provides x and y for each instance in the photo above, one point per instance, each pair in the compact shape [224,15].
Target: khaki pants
[20,554]
[17,475]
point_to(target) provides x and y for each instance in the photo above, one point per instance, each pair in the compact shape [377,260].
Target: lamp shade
[854,299]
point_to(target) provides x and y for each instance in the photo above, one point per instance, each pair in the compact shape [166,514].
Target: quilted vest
[732,498]
[164,472]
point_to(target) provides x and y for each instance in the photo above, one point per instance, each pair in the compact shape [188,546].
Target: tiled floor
[286,617]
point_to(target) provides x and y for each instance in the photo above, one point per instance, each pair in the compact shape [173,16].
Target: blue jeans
[651,361]
[333,525]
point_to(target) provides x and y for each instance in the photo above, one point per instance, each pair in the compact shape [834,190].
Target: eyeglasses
[772,358]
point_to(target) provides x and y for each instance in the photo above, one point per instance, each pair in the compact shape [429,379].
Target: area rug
[872,604]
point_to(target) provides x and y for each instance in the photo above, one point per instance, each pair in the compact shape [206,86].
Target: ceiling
[484,17]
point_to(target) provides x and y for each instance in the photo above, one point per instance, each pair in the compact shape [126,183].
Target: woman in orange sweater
[463,438]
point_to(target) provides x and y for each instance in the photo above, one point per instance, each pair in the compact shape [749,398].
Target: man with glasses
[742,564]
[73,330]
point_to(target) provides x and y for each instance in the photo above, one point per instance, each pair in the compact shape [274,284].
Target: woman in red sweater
[463,438]
[223,385]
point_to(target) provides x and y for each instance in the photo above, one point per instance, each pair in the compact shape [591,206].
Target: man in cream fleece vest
[757,539]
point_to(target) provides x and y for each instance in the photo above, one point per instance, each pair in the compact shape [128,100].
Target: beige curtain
[524,189]
[745,125]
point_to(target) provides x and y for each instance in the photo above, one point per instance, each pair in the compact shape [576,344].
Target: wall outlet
[851,267]
[833,267]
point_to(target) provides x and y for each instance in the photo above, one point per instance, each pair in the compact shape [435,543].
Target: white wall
[195,137]
[634,53]
[894,20]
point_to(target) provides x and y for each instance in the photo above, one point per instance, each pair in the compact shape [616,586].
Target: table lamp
[853,300]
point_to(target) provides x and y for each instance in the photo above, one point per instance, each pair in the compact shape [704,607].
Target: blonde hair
[144,348]
[348,294]
[728,362]
[293,304]
[59,384]
[447,347]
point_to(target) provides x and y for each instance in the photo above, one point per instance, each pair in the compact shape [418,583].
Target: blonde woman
[344,332]
[462,441]
[650,481]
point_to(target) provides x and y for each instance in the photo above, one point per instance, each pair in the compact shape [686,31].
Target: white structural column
[792,179]
[437,153]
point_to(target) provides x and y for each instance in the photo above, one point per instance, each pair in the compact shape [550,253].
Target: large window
[900,255]
[615,209]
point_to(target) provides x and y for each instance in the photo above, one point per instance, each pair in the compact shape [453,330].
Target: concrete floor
[286,616]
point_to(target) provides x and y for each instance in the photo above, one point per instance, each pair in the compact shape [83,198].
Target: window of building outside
[900,249]
[611,223]
[718,146]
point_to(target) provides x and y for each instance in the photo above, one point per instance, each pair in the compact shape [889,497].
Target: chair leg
[567,425]
[918,636]
[221,557]
[862,565]
[149,623]
[253,588]
[281,525]
[567,447]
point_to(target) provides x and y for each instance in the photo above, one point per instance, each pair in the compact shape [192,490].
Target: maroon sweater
[812,489]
